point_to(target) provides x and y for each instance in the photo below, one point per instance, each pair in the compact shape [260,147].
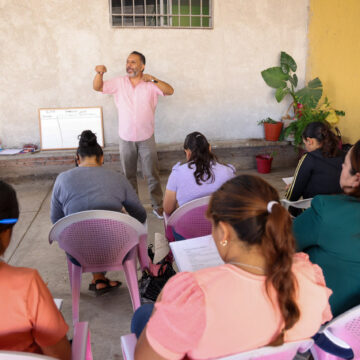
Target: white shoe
[158,213]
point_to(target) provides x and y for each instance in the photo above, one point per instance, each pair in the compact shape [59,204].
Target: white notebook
[195,254]
[288,180]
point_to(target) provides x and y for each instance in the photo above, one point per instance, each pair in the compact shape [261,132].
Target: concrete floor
[109,315]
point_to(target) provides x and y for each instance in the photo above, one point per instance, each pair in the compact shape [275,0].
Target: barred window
[161,13]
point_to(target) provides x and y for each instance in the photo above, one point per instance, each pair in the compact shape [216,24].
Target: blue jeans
[140,318]
[75,262]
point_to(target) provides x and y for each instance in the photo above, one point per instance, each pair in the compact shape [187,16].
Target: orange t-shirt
[29,316]
[225,310]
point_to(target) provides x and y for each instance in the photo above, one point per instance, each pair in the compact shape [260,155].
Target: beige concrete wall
[49,50]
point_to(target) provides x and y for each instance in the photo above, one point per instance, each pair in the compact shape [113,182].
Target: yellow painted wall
[334,56]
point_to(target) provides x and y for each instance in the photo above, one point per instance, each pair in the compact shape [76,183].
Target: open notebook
[195,254]
[288,180]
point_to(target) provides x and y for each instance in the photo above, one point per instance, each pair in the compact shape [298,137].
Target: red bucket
[263,163]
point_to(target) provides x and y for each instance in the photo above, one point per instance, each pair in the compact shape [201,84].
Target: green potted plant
[284,80]
[323,113]
[272,128]
[305,101]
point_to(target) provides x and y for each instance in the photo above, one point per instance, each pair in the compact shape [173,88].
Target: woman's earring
[223,242]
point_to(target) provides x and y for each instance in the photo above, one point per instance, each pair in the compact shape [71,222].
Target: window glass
[161,13]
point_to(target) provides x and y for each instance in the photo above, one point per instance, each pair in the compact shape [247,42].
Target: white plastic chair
[344,334]
[101,240]
[284,352]
[80,350]
[189,220]
[300,204]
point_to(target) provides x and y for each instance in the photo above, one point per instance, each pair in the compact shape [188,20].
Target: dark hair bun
[9,207]
[87,138]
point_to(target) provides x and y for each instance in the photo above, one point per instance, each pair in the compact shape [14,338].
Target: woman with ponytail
[329,232]
[200,176]
[263,294]
[318,171]
[90,186]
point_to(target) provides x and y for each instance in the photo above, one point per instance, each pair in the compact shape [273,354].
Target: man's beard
[134,73]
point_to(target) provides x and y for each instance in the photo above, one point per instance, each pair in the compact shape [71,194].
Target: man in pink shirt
[136,98]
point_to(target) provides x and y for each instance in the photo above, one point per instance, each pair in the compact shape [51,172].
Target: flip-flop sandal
[105,289]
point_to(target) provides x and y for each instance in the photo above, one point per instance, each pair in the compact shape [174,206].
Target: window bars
[195,14]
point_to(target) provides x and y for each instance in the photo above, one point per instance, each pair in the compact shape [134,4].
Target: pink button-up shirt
[136,107]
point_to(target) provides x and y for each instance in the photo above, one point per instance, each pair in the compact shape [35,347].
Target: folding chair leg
[129,266]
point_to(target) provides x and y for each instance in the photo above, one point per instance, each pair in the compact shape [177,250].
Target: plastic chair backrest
[347,328]
[286,351]
[80,349]
[300,204]
[190,220]
[15,355]
[108,236]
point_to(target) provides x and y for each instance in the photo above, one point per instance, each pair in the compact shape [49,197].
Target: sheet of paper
[58,303]
[195,254]
[288,180]
[10,151]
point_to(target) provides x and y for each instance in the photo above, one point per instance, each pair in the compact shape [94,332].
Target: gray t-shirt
[93,188]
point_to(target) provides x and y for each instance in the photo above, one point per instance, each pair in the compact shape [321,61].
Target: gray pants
[146,151]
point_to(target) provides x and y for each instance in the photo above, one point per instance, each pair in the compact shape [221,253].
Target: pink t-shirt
[28,315]
[136,107]
[224,310]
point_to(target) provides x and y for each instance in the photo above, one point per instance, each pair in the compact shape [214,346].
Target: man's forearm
[164,87]
[98,82]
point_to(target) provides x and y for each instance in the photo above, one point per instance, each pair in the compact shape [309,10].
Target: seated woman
[30,320]
[264,294]
[329,232]
[318,171]
[200,176]
[90,186]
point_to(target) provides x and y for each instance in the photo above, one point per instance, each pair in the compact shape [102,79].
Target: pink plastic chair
[102,240]
[189,220]
[344,332]
[16,355]
[80,349]
[283,352]
[81,344]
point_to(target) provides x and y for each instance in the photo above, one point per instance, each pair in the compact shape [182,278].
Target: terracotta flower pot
[272,131]
[263,163]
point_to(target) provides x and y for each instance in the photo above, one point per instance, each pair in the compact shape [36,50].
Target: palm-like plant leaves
[310,94]
[275,77]
[280,93]
[287,61]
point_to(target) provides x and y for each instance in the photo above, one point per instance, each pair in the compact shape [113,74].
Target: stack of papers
[195,254]
[10,151]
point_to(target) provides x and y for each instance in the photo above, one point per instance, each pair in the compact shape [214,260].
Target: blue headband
[8,221]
